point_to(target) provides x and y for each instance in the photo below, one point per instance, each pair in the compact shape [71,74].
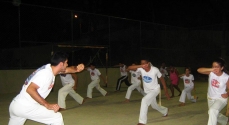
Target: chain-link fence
[30,34]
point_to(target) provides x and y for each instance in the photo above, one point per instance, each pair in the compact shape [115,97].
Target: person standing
[95,77]
[217,95]
[150,75]
[188,80]
[30,103]
[136,84]
[69,82]
[123,78]
[173,75]
[164,73]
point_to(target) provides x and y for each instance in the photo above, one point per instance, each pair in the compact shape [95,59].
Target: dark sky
[183,13]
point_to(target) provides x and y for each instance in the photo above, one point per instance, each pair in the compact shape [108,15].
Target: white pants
[150,99]
[215,106]
[95,83]
[132,87]
[36,112]
[64,91]
[187,91]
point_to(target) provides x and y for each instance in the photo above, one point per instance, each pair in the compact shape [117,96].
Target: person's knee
[59,118]
[89,86]
[213,111]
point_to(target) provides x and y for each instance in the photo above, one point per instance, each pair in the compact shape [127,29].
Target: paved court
[110,110]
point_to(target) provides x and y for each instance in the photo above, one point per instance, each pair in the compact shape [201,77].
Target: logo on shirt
[92,73]
[134,75]
[187,81]
[34,73]
[147,79]
[215,83]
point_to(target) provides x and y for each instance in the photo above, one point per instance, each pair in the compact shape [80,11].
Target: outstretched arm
[74,69]
[134,67]
[205,71]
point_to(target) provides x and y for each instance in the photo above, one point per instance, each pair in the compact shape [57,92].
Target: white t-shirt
[134,77]
[44,78]
[149,78]
[188,80]
[123,71]
[163,72]
[94,73]
[67,79]
[217,85]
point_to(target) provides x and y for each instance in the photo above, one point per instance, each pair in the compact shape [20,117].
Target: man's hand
[74,87]
[54,107]
[224,95]
[80,67]
[167,95]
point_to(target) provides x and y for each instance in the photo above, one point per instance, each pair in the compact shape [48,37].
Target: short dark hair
[91,64]
[58,57]
[146,59]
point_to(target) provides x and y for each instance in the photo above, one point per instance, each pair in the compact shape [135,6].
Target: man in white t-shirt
[95,80]
[30,103]
[69,82]
[150,75]
[123,78]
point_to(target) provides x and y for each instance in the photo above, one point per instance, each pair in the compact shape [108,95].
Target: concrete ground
[110,110]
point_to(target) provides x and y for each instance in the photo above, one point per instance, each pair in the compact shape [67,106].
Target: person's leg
[119,82]
[14,118]
[62,93]
[177,88]
[90,88]
[76,96]
[146,101]
[215,106]
[139,88]
[163,110]
[101,90]
[38,113]
[172,90]
[189,95]
[129,91]
[126,81]
[182,98]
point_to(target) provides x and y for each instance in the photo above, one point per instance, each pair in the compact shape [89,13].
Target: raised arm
[134,67]
[74,69]
[205,71]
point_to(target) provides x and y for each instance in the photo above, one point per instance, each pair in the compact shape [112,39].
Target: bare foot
[182,104]
[127,101]
[61,109]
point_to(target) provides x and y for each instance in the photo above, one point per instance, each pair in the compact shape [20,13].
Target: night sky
[182,13]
